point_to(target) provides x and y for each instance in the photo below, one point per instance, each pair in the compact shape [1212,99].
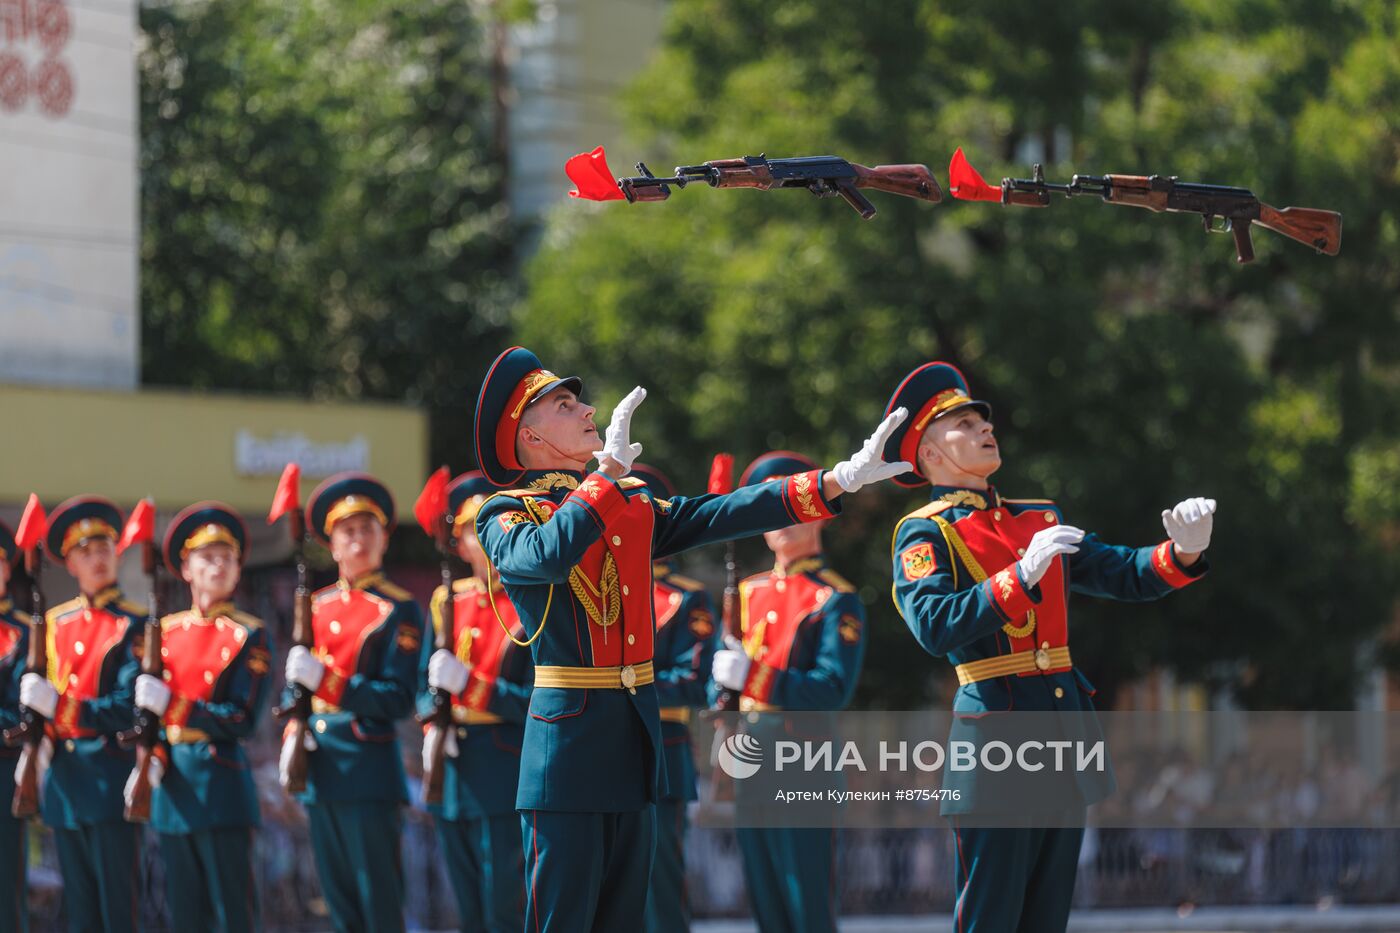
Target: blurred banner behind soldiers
[489,677]
[804,641]
[361,670]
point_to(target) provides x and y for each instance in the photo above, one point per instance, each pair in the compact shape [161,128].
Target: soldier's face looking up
[212,570]
[93,564]
[556,431]
[358,544]
[959,447]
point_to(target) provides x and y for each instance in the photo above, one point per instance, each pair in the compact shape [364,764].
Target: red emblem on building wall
[33,37]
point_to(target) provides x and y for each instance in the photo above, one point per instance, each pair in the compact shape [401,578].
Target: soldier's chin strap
[939,447]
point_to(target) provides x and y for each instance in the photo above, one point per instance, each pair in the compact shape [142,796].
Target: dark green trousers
[1014,880]
[586,872]
[487,869]
[359,863]
[14,907]
[209,880]
[101,864]
[791,878]
[668,905]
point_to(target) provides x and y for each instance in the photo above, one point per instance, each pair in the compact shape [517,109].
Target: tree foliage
[1131,362]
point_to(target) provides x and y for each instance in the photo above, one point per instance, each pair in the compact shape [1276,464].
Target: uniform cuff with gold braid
[600,496]
[178,712]
[1166,566]
[802,493]
[760,682]
[1007,592]
[333,684]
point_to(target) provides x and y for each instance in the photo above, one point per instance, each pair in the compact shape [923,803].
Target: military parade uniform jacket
[685,648]
[368,633]
[94,656]
[14,650]
[216,667]
[959,590]
[490,712]
[575,554]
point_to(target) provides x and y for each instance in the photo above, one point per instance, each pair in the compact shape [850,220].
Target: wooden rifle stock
[439,721]
[147,729]
[910,181]
[1322,230]
[30,730]
[299,710]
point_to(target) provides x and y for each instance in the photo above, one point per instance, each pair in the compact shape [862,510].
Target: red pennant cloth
[288,495]
[432,501]
[32,524]
[967,184]
[722,474]
[140,527]
[589,171]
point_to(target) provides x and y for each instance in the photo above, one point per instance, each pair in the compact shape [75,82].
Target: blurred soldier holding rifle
[14,646]
[208,699]
[474,663]
[93,660]
[360,669]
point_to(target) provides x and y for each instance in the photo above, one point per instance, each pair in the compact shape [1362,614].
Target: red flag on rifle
[432,501]
[589,171]
[140,527]
[722,474]
[966,183]
[288,495]
[32,524]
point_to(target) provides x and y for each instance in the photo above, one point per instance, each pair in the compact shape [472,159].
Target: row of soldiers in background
[368,661]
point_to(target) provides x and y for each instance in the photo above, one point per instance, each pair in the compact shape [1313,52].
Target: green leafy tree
[1131,362]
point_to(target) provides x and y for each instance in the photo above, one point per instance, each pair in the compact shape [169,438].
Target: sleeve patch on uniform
[850,629]
[918,561]
[701,623]
[509,520]
[408,638]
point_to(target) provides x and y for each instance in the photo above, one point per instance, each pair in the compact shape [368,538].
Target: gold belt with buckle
[627,677]
[1022,662]
[465,716]
[679,714]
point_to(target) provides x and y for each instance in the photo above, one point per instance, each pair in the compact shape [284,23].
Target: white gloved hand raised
[617,439]
[868,465]
[38,694]
[730,668]
[447,672]
[1189,524]
[304,669]
[152,694]
[1046,547]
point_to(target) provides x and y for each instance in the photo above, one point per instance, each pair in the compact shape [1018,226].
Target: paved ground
[1335,919]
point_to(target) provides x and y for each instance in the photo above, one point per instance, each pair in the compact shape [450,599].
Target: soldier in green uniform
[14,648]
[686,639]
[574,551]
[488,676]
[93,655]
[361,671]
[209,696]
[804,642]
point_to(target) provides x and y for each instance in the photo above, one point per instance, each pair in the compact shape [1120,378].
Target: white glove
[284,759]
[1189,524]
[38,694]
[449,746]
[868,465]
[731,665]
[155,771]
[1045,548]
[42,765]
[304,669]
[447,672]
[152,694]
[617,440]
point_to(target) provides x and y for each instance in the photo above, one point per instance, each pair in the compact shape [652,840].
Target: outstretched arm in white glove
[618,453]
[1047,546]
[1189,524]
[867,465]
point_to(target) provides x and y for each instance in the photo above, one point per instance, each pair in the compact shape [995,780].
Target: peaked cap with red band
[200,525]
[776,464]
[659,483]
[931,391]
[346,494]
[80,520]
[515,380]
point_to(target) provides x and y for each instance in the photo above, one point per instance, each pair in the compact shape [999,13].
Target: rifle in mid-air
[30,731]
[824,176]
[1223,209]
